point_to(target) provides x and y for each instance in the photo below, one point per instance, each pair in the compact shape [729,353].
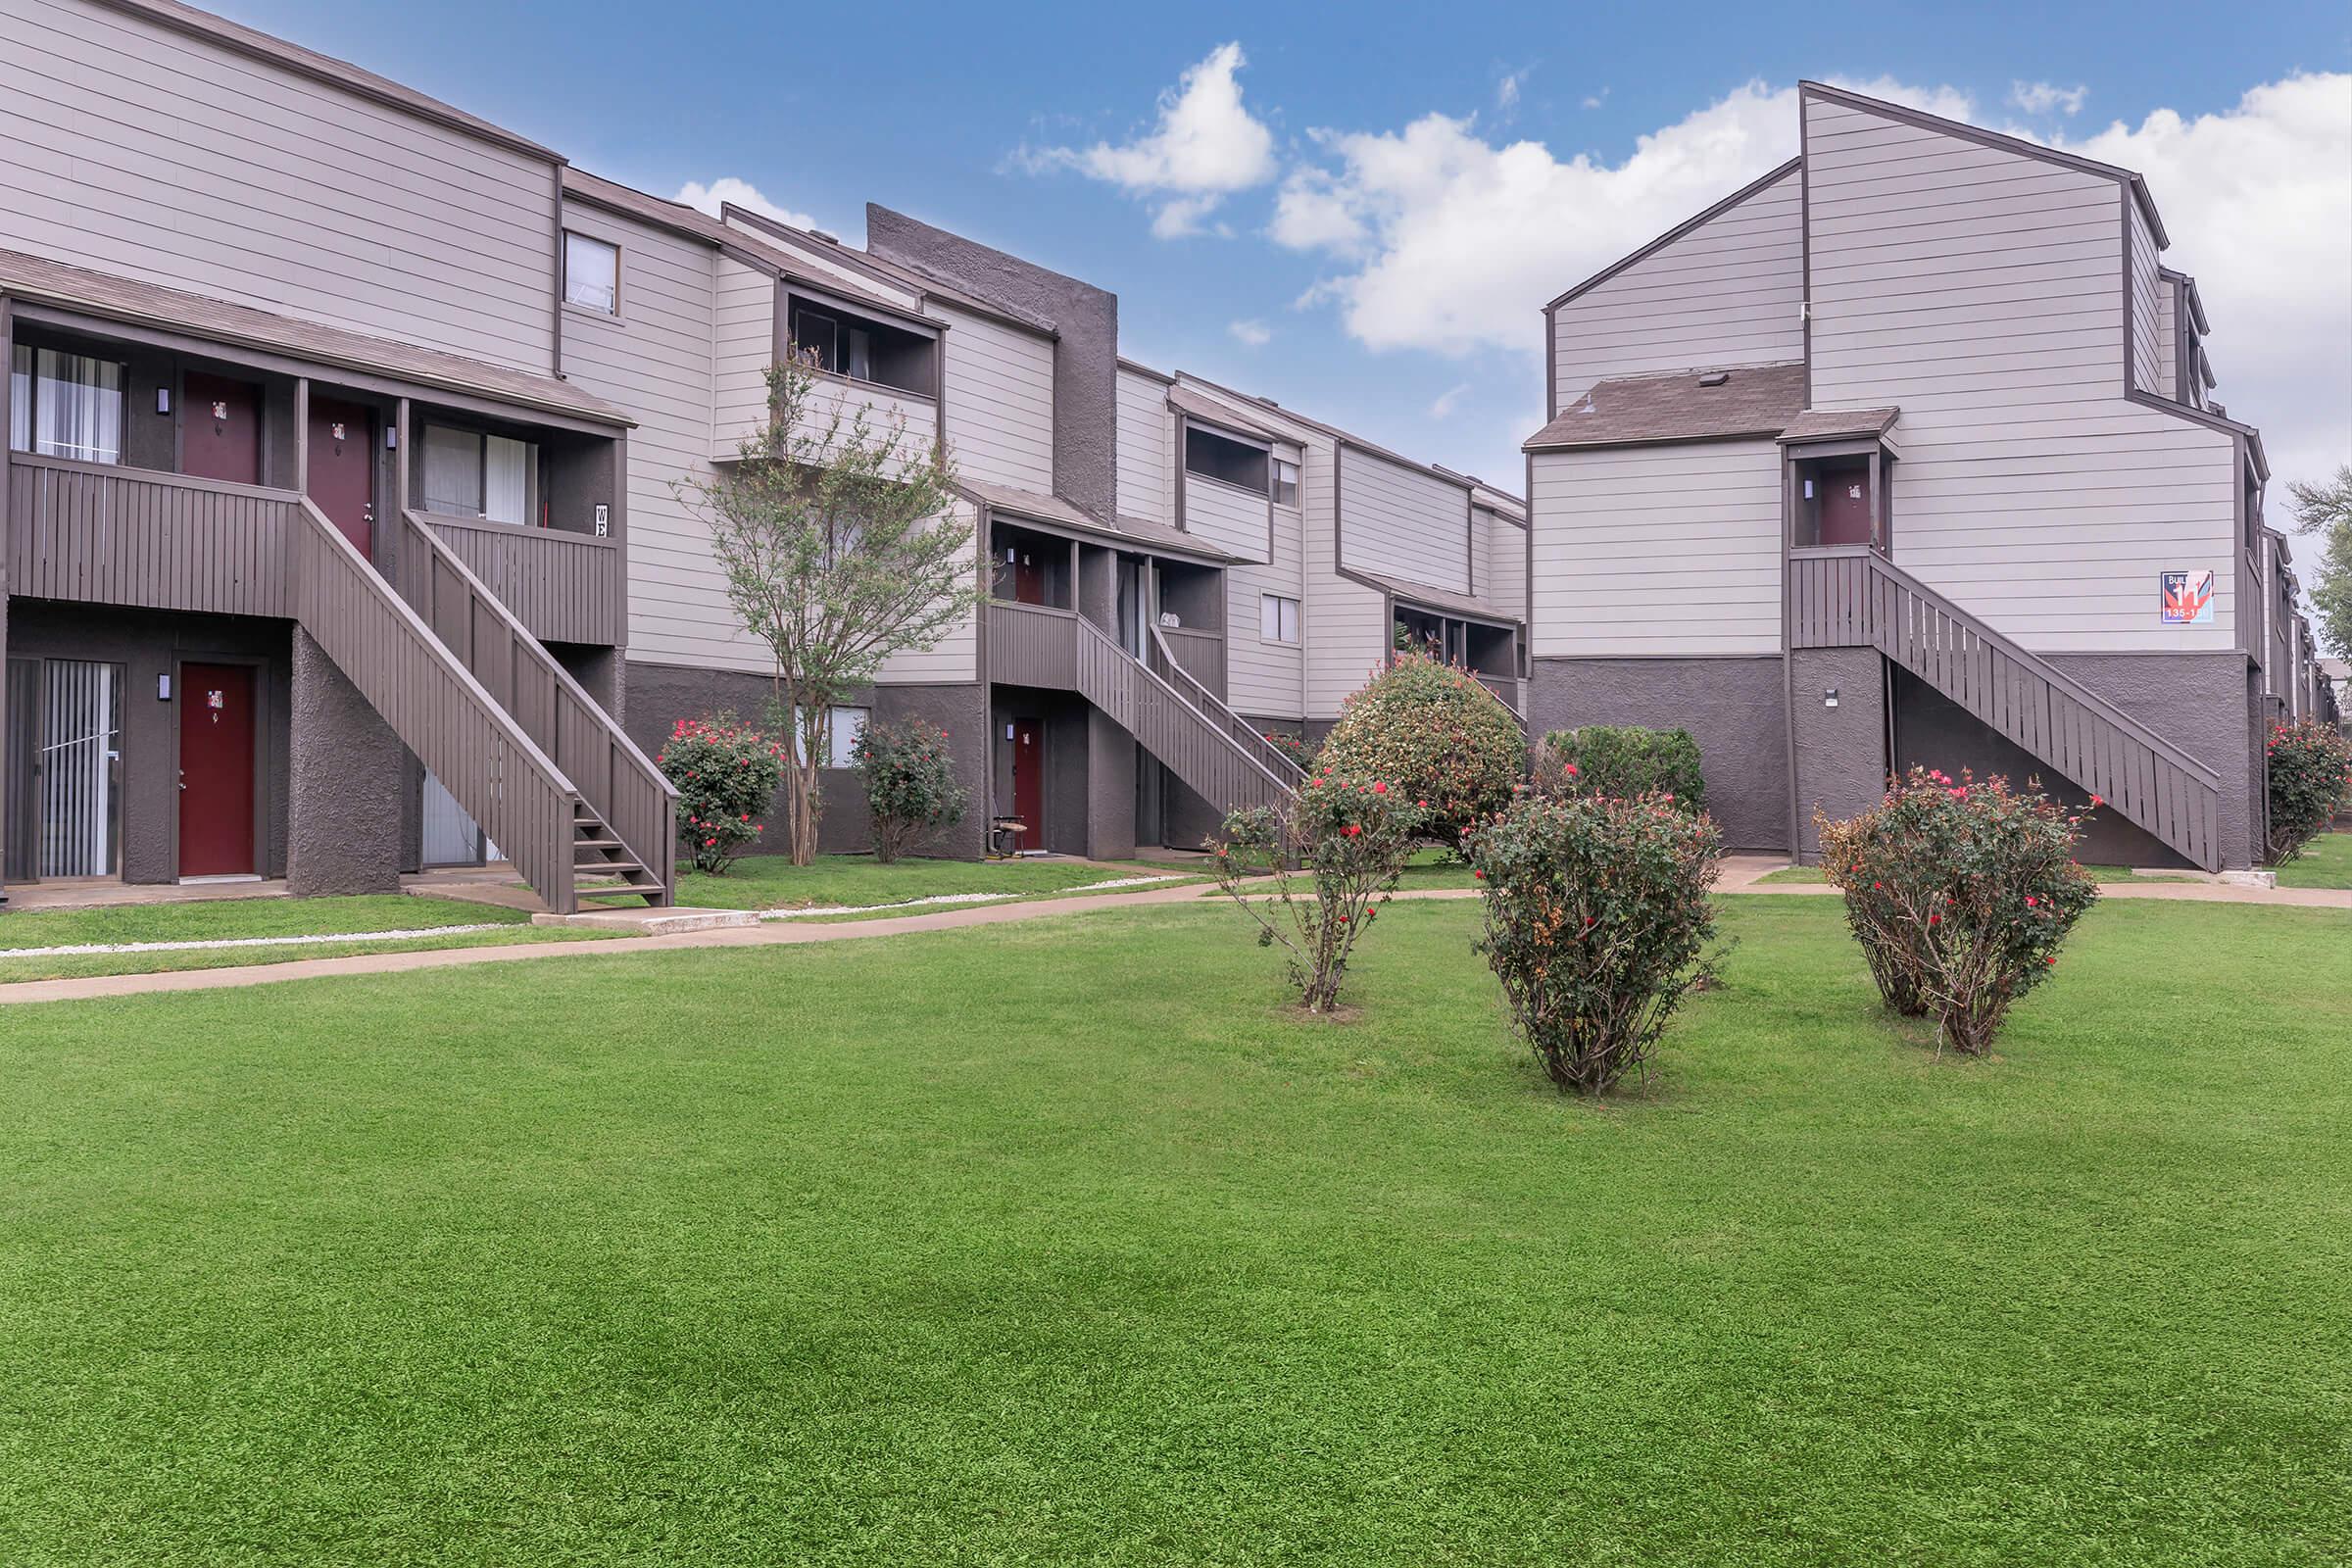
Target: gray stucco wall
[1085,353]
[1732,706]
[1841,751]
[345,781]
[149,644]
[657,695]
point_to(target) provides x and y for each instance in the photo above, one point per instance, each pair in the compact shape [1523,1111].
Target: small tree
[841,548]
[2325,510]
[910,782]
[1623,759]
[726,773]
[1961,893]
[1597,921]
[1431,731]
[1312,873]
[2309,765]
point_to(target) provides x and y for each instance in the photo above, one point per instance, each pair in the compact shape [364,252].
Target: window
[470,474]
[591,273]
[1277,618]
[1286,482]
[65,404]
[843,727]
[1216,457]
[817,338]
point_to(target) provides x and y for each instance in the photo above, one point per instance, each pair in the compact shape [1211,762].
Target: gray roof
[1208,410]
[260,45]
[102,294]
[1750,399]
[1828,424]
[1438,599]
[1055,513]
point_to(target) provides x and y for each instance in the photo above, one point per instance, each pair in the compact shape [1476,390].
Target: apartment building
[348,522]
[1908,453]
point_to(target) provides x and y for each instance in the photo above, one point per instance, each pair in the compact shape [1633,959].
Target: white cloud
[2258,199]
[1257,334]
[1449,241]
[1507,91]
[1205,145]
[2041,97]
[1593,100]
[743,193]
[1445,401]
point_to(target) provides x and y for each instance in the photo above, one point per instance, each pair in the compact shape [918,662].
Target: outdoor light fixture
[391,437]
[162,400]
[163,687]
[1828,696]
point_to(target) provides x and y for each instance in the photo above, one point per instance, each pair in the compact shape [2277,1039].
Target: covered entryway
[342,478]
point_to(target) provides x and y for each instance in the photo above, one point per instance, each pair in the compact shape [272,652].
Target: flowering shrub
[726,772]
[1961,893]
[1435,733]
[910,784]
[1597,914]
[1295,747]
[1333,854]
[2310,769]
[1624,760]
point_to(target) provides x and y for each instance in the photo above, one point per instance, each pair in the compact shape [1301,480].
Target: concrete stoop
[642,922]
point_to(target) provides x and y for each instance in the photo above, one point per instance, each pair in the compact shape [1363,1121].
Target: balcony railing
[886,408]
[1198,654]
[1227,515]
[563,587]
[100,533]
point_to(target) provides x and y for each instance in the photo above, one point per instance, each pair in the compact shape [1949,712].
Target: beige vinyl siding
[135,150]
[1501,563]
[1981,290]
[1671,550]
[1344,622]
[1262,678]
[1402,522]
[2145,285]
[816,259]
[955,657]
[999,393]
[1729,292]
[744,347]
[1147,441]
[1232,519]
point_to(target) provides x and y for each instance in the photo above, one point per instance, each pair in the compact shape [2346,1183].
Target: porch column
[1110,762]
[1837,760]
[7,382]
[346,784]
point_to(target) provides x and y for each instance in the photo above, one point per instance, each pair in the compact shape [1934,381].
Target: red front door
[343,468]
[219,428]
[1028,578]
[1029,780]
[1845,502]
[216,769]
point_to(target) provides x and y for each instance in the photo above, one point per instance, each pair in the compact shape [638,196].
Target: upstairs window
[863,350]
[1286,483]
[65,404]
[1277,618]
[1221,458]
[591,273]
[470,474]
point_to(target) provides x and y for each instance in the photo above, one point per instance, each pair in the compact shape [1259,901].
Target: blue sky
[1386,267]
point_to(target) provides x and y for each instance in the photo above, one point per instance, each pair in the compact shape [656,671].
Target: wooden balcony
[1228,516]
[1032,644]
[832,396]
[99,533]
[1200,655]
[563,587]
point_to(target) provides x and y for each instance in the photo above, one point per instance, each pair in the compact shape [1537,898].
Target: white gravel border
[80,949]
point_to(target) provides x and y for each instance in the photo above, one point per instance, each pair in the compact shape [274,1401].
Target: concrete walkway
[1740,876]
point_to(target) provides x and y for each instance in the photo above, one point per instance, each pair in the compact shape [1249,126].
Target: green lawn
[2328,864]
[852,881]
[1063,1243]
[228,919]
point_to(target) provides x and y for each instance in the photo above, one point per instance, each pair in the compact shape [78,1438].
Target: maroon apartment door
[216,769]
[220,428]
[1029,780]
[1844,507]
[343,468]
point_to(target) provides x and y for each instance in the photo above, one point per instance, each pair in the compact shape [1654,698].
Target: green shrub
[911,785]
[1297,748]
[1961,895]
[1624,760]
[1313,872]
[1596,918]
[726,773]
[1431,731]
[2309,765]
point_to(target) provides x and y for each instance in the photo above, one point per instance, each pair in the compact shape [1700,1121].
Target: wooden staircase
[1854,597]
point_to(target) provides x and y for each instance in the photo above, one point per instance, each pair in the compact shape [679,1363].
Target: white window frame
[840,740]
[572,238]
[1284,466]
[30,369]
[1279,605]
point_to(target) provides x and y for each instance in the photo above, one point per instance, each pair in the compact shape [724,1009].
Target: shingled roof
[1749,400]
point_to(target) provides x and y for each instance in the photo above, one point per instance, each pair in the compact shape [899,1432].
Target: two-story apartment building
[1906,454]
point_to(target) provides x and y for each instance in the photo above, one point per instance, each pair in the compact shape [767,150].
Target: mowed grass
[856,881]
[2327,863]
[1791,875]
[231,919]
[1067,1242]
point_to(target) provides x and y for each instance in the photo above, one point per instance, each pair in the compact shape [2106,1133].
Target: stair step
[598,844]
[620,893]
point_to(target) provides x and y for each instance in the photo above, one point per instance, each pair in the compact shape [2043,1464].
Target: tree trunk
[801,800]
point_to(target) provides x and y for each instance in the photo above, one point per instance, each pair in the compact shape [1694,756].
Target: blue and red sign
[2188,598]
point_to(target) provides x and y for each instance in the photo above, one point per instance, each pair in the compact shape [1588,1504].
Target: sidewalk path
[1740,877]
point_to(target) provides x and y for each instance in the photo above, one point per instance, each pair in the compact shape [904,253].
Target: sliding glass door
[79,769]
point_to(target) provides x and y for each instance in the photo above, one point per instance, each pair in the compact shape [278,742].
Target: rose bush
[1961,893]
[911,785]
[1596,918]
[1431,731]
[1313,872]
[726,773]
[1624,760]
[2309,767]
